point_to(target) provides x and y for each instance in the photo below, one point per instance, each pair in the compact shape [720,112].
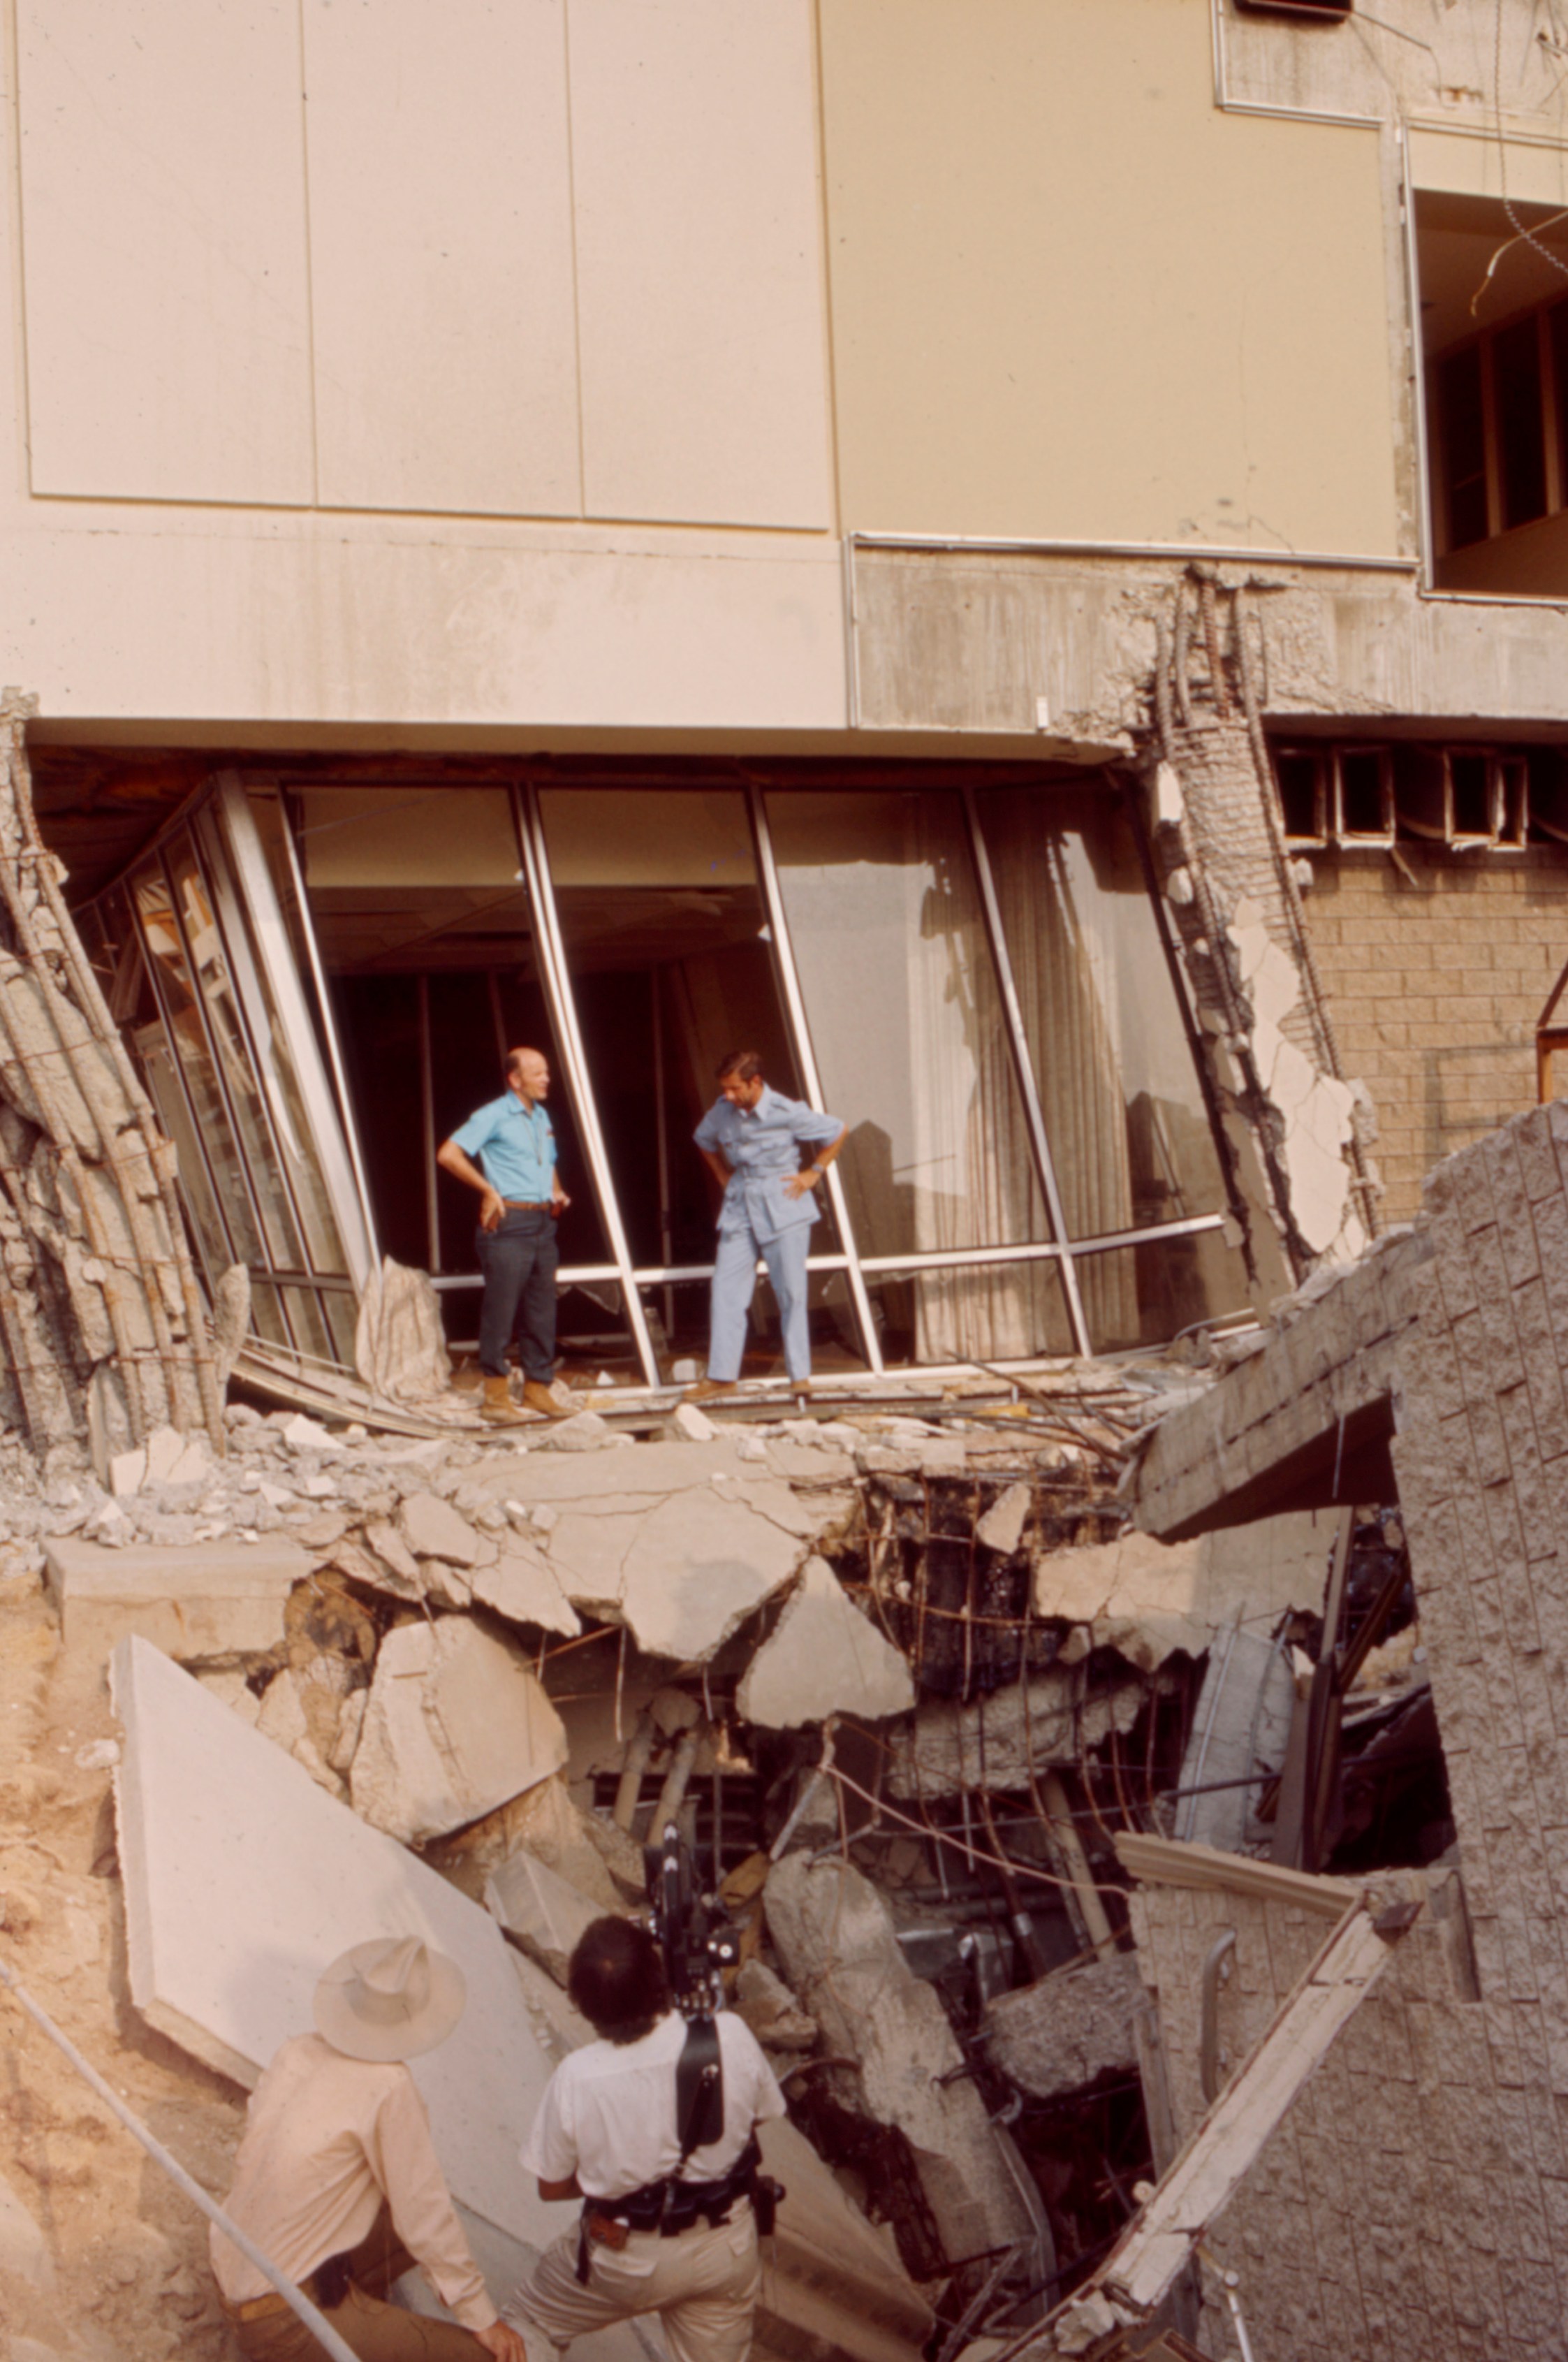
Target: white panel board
[699,246]
[164,250]
[440,229]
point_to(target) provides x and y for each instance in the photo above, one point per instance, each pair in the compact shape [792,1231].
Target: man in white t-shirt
[661,2232]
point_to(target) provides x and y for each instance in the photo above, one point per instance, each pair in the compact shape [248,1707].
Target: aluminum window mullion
[427,1126]
[267,974]
[165,1019]
[530,827]
[329,1027]
[795,1009]
[1023,1066]
[228,924]
[204,1019]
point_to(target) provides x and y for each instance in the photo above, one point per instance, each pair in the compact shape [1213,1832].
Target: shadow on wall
[1467,1091]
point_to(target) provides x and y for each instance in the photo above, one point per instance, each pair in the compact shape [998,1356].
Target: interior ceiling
[1456,239]
[100,807]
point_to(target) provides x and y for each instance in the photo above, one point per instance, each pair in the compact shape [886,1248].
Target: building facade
[1007,554]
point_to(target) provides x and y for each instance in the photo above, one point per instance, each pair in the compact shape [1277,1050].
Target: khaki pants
[377,2332]
[702,2285]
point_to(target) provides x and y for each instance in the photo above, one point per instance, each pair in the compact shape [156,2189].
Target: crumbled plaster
[1316,1111]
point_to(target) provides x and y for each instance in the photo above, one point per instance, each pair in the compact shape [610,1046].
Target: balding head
[528,1073]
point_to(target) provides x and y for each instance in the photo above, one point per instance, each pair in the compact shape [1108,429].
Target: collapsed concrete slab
[835,1938]
[203,1603]
[696,1568]
[823,1656]
[455,1724]
[678,1540]
[1068,2029]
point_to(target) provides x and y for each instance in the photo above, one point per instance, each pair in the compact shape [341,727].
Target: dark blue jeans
[519,1266]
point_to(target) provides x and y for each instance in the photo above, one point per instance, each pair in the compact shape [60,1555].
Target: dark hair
[616,1978]
[743,1064]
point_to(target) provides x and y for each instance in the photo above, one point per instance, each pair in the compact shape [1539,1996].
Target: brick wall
[1434,988]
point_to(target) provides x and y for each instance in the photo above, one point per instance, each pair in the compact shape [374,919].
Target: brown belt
[259,2308]
[527,1205]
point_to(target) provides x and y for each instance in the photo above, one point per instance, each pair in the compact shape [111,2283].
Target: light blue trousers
[734,1279]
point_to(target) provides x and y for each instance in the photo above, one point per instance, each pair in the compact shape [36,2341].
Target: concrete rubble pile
[912,1643]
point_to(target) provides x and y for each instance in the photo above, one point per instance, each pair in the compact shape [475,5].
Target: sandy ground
[129,2250]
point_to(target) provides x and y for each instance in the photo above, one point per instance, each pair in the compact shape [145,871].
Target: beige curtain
[980,1187]
[1057,931]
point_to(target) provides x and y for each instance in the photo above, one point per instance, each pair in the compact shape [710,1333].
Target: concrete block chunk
[200,1603]
[432,1528]
[455,1724]
[835,1937]
[302,1434]
[128,1472]
[585,1432]
[242,1879]
[540,1910]
[823,1656]
[1002,1528]
[691,1425]
[1067,2030]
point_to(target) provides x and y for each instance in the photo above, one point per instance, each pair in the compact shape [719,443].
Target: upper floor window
[1495,331]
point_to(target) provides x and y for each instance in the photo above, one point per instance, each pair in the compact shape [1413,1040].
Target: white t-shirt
[608,2113]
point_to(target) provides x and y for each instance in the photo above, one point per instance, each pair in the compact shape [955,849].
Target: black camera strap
[698,2088]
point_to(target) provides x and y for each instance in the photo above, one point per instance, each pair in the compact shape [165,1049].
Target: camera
[694,1932]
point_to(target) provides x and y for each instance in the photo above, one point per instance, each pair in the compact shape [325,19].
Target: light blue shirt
[516,1148]
[763,1145]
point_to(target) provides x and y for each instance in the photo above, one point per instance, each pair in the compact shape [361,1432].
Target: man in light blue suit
[751,1139]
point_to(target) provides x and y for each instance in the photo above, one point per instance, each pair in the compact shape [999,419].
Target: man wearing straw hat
[338,2181]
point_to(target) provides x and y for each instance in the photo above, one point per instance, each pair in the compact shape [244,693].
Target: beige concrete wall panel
[441,261]
[381,624]
[699,242]
[1071,299]
[164,251]
[1473,167]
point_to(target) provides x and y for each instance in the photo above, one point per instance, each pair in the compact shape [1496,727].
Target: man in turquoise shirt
[521,1197]
[751,1139]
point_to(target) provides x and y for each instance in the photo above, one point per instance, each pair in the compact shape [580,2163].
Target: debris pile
[903,1677]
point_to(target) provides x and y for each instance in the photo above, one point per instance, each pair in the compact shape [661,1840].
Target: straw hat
[392,1998]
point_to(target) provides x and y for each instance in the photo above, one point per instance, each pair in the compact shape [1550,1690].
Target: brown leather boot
[541,1397]
[706,1389]
[497,1407]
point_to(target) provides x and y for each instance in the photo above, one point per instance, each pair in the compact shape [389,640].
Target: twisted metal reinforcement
[30,888]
